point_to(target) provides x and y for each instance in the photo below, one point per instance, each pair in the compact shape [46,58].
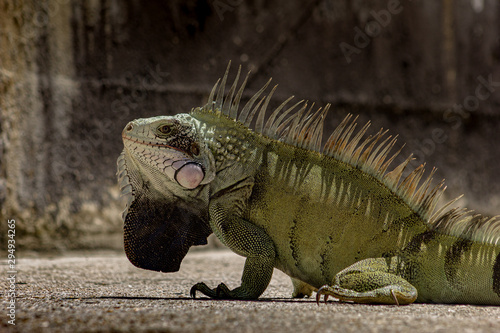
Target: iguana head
[162,170]
[170,147]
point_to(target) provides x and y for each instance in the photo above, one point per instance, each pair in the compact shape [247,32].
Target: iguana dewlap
[332,218]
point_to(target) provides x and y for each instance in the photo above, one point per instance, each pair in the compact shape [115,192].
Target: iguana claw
[196,287]
[321,291]
[221,292]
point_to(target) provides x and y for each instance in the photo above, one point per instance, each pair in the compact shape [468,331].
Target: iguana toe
[201,286]
[322,291]
[221,292]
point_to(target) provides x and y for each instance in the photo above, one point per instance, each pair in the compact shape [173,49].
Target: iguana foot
[387,295]
[221,292]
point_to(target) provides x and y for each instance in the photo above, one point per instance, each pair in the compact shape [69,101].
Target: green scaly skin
[343,227]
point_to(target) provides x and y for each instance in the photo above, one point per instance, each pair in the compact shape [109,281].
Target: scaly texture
[330,216]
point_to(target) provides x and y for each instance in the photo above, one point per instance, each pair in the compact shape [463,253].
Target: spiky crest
[304,129]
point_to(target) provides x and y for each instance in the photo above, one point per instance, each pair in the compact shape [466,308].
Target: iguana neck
[233,145]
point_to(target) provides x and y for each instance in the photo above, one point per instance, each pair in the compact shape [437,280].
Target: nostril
[129,127]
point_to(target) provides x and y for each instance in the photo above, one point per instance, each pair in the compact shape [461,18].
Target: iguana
[333,218]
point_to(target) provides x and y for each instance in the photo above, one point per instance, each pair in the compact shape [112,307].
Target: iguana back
[331,216]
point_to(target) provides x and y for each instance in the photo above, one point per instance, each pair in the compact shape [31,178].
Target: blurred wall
[73,73]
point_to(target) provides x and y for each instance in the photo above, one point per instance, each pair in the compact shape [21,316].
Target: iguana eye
[165,129]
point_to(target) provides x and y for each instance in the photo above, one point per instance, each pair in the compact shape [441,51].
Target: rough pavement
[103,292]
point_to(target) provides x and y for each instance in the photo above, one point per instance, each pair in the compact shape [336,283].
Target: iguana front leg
[370,281]
[245,239]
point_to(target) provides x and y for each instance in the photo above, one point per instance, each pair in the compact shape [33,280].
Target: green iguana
[332,218]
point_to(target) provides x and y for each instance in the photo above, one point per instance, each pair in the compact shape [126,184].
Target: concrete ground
[103,292]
